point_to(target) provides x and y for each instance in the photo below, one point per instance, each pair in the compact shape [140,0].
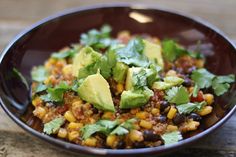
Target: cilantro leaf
[39,74]
[65,54]
[98,39]
[195,91]
[102,126]
[177,95]
[53,126]
[56,94]
[90,129]
[172,137]
[132,53]
[40,87]
[202,78]
[190,107]
[171,51]
[221,84]
[21,77]
[205,79]
[124,127]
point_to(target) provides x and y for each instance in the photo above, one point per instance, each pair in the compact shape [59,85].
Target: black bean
[150,136]
[178,119]
[95,111]
[164,105]
[187,82]
[195,117]
[139,145]
[120,145]
[162,119]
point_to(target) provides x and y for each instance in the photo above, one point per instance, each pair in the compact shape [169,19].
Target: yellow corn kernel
[74,126]
[52,61]
[108,115]
[171,73]
[192,125]
[119,88]
[39,112]
[171,128]
[205,110]
[67,70]
[209,98]
[37,101]
[155,111]
[135,136]
[172,112]
[199,63]
[90,142]
[112,141]
[69,116]
[62,133]
[145,124]
[142,115]
[73,135]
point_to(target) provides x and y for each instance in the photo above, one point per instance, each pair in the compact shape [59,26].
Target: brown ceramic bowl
[33,46]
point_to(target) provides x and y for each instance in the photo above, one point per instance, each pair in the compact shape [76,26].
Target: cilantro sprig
[205,79]
[172,137]
[190,107]
[107,127]
[177,95]
[53,126]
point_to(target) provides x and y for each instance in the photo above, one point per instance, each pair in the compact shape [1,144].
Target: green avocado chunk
[85,57]
[96,90]
[169,82]
[120,72]
[153,52]
[133,99]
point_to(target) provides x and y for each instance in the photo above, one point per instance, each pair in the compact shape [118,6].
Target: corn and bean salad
[132,91]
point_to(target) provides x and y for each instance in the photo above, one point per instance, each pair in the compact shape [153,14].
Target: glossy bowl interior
[34,46]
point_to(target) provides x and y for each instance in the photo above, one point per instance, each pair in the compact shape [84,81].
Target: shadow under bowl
[33,46]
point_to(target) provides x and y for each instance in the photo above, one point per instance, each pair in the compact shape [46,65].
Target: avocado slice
[85,57]
[120,72]
[153,52]
[96,90]
[151,76]
[169,82]
[129,77]
[133,99]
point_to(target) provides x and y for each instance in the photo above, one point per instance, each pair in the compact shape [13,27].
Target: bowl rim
[101,151]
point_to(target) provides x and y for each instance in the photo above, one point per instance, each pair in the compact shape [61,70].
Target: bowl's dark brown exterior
[33,47]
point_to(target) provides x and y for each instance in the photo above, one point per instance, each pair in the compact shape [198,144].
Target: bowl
[33,46]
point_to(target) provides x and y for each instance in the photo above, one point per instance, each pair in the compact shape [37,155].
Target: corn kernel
[119,88]
[108,115]
[199,63]
[74,126]
[39,112]
[142,115]
[62,133]
[172,112]
[209,98]
[171,128]
[73,135]
[112,141]
[155,111]
[37,101]
[136,136]
[69,116]
[90,142]
[67,70]
[192,125]
[205,110]
[145,124]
